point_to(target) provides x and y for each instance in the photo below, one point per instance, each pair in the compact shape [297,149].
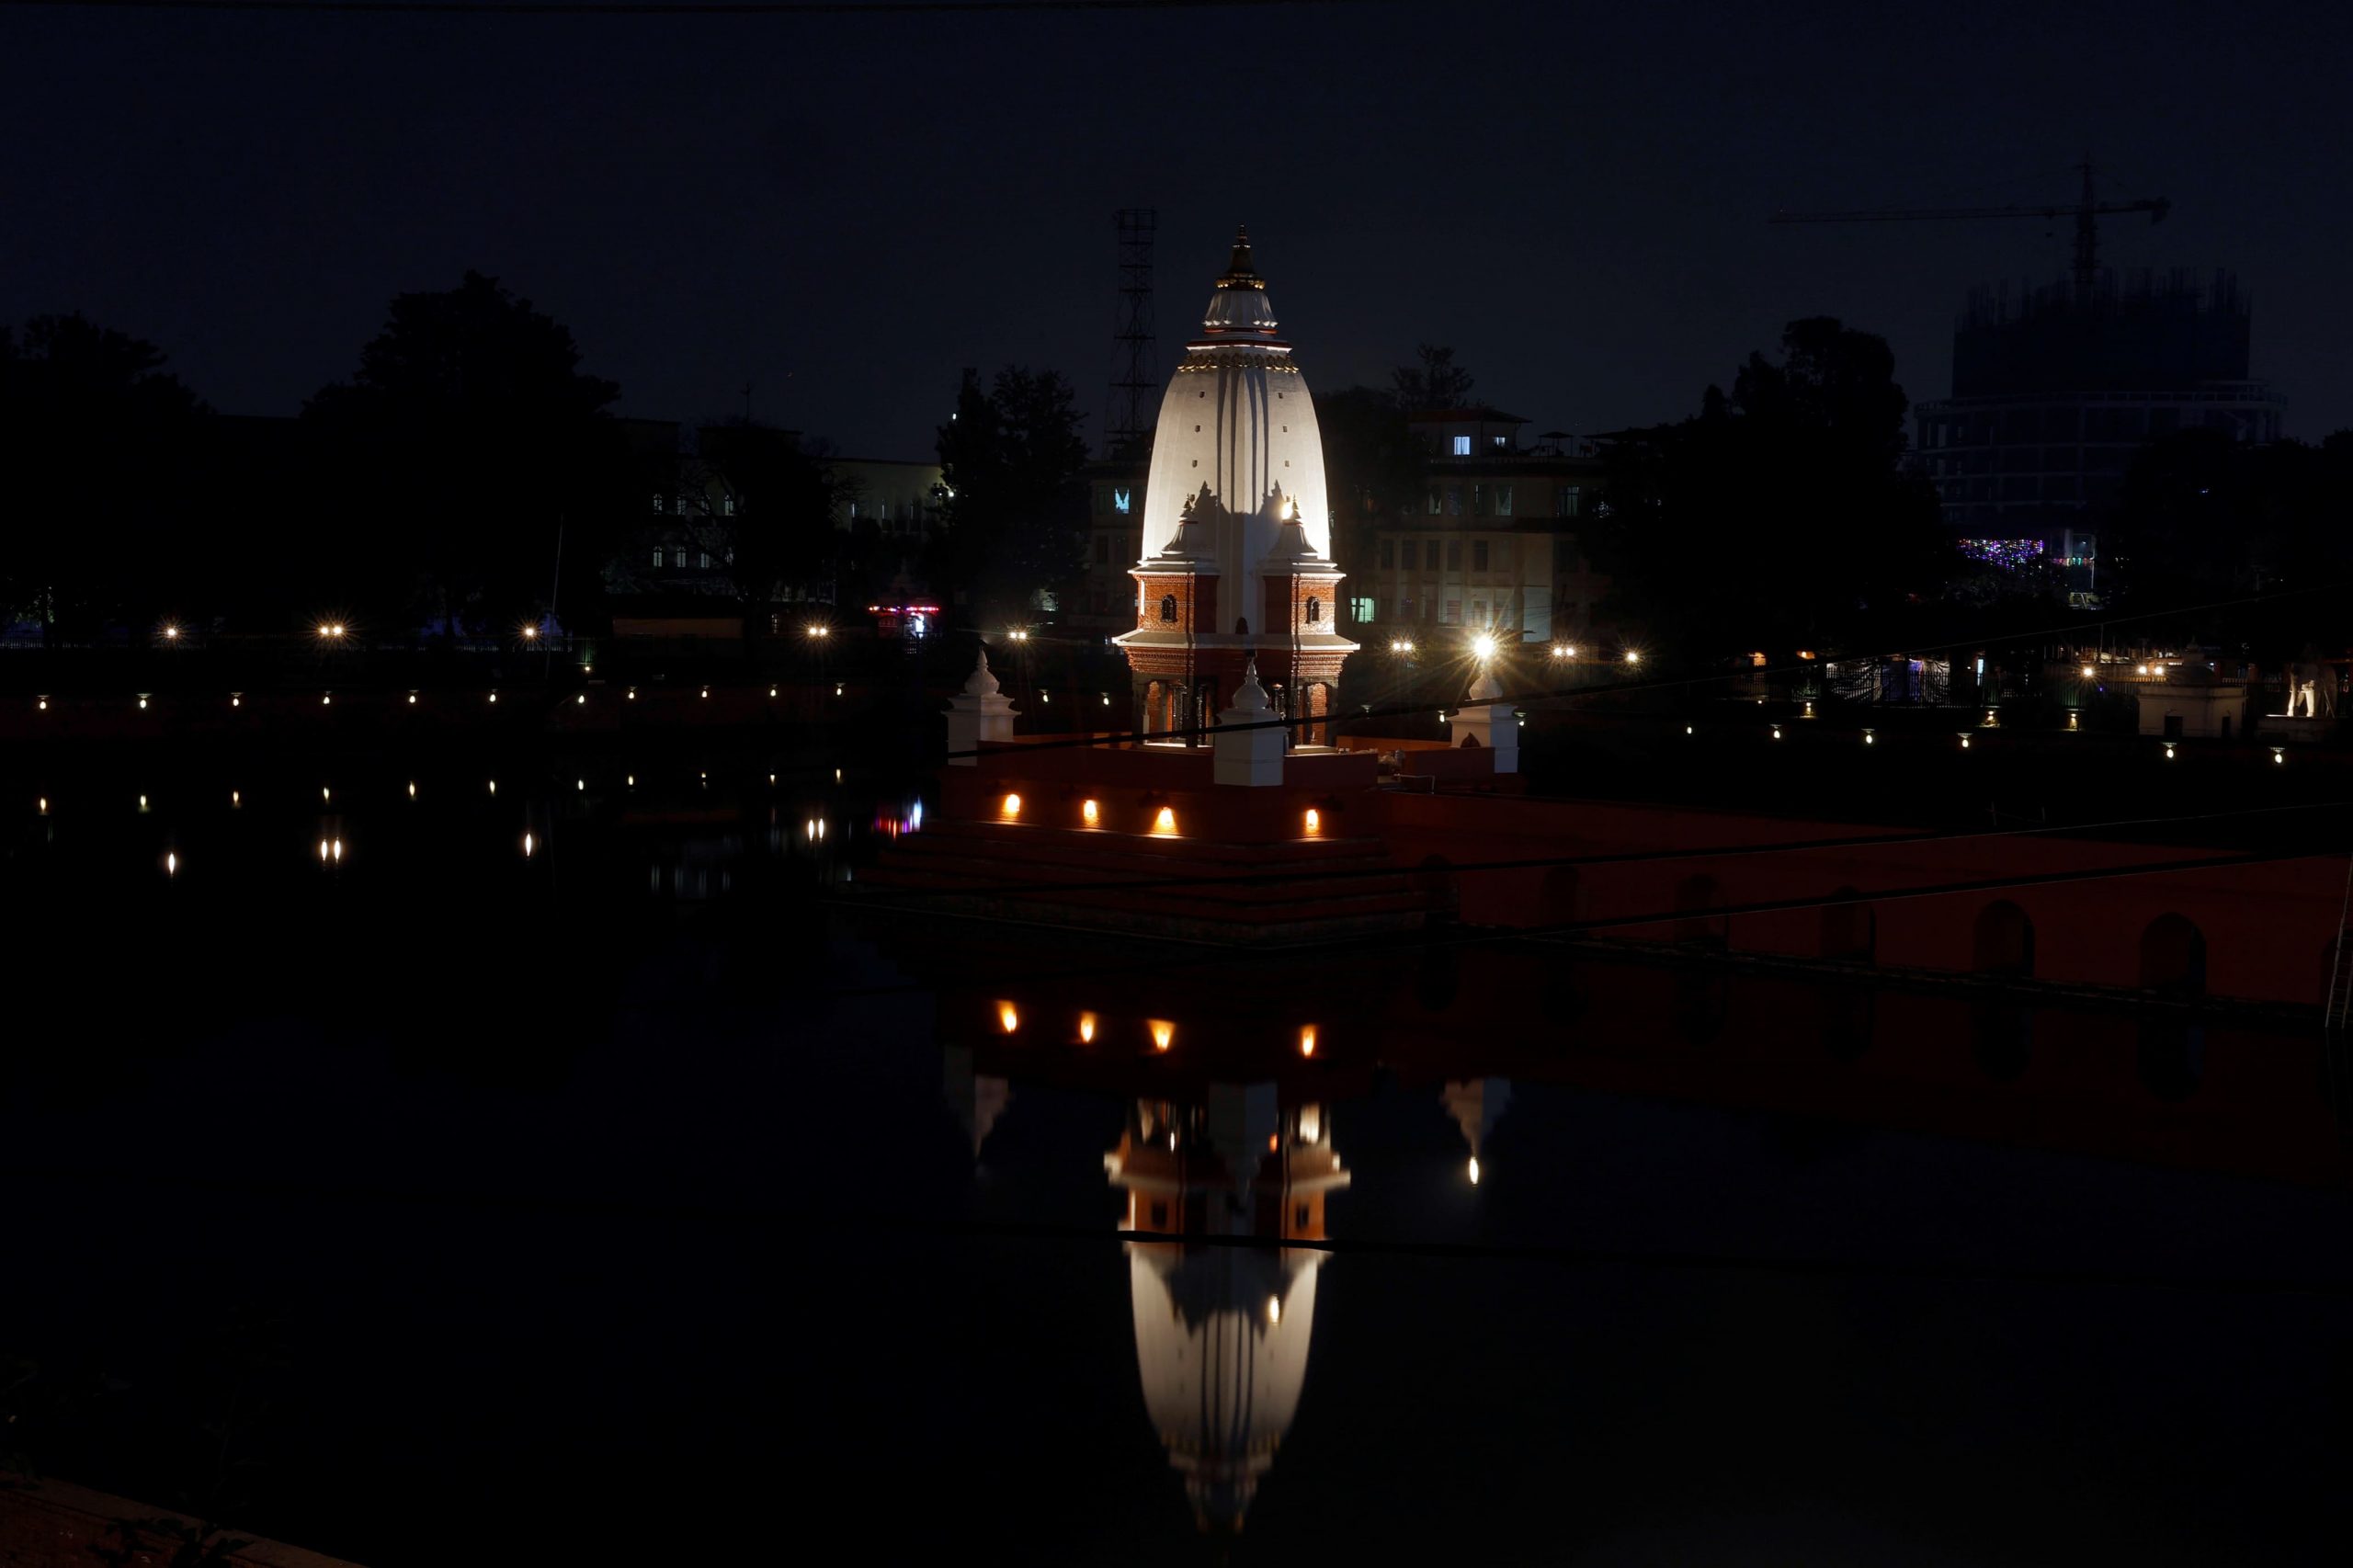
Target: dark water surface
[446,1203]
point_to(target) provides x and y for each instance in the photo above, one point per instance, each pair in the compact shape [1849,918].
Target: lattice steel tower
[1135,383]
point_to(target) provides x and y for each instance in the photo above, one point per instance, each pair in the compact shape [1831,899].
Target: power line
[872,1224]
[680,8]
[1632,857]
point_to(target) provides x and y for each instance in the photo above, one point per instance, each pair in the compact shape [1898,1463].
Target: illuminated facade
[1236,529]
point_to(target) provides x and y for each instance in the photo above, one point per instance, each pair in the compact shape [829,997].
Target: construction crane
[2086,212]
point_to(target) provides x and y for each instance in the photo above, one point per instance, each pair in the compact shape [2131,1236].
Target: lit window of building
[1462,446]
[1503,500]
[1123,499]
[1361,610]
[659,562]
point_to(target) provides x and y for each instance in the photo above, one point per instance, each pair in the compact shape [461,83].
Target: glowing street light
[1483,647]
[818,630]
[171,634]
[331,631]
[1565,650]
[530,634]
[1633,656]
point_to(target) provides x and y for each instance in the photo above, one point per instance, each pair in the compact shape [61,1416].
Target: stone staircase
[1307,890]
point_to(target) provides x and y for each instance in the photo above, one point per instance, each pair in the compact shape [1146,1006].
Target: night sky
[846,209]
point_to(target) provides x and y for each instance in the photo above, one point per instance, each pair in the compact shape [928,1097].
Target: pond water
[640,1189]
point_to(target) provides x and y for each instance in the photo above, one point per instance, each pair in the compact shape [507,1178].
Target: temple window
[1314,610]
[1168,607]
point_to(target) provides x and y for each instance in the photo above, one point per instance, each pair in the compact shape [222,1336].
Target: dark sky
[846,209]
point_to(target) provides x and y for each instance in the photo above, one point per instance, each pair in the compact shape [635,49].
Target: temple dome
[1237,419]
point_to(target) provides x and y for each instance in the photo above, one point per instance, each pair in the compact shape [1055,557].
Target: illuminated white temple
[1236,529]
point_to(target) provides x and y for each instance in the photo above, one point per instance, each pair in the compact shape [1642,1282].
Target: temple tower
[1236,531]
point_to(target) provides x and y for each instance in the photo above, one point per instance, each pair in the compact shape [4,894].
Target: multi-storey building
[1491,550]
[2054,389]
[1105,599]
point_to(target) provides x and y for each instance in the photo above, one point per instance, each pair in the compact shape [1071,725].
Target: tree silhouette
[465,441]
[1436,381]
[109,527]
[1780,516]
[1008,456]
[773,516]
[1373,469]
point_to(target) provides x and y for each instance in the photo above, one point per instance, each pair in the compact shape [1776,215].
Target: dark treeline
[470,475]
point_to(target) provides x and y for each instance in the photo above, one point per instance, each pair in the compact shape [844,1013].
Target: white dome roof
[1237,421]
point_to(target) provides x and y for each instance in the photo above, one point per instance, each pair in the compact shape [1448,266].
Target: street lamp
[818,630]
[331,631]
[1633,656]
[530,634]
[1484,646]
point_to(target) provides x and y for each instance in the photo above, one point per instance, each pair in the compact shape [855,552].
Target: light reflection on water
[693,857]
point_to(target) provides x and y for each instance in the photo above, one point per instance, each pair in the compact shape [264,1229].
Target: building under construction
[2054,389]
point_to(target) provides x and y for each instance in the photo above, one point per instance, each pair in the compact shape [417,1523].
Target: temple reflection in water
[1225,1315]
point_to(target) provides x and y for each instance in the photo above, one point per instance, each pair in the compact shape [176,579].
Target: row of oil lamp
[1162,1032]
[1093,814]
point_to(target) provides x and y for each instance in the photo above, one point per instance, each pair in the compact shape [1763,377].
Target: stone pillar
[979,712]
[1251,757]
[1482,720]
